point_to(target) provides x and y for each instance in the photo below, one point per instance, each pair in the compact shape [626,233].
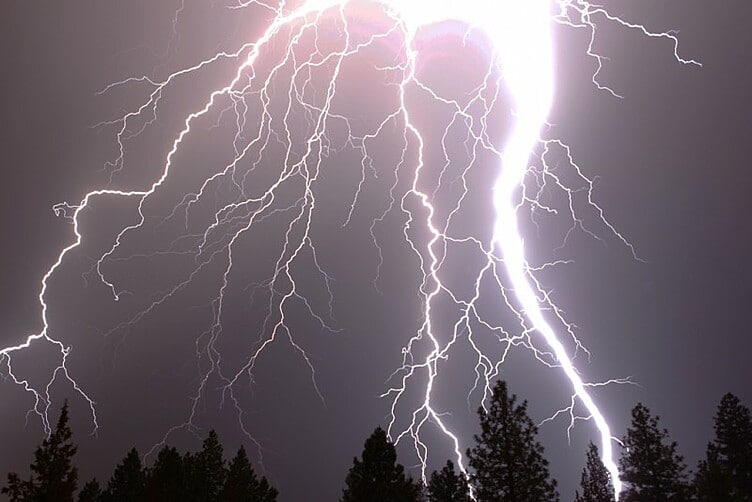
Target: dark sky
[670,162]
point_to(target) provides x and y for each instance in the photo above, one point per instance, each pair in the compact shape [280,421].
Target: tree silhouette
[242,485]
[712,482]
[507,460]
[596,481]
[726,472]
[166,480]
[17,489]
[448,485]
[91,492]
[650,466]
[206,470]
[54,478]
[378,477]
[128,482]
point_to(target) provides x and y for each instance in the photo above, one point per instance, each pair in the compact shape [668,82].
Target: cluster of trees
[507,463]
[652,470]
[203,476]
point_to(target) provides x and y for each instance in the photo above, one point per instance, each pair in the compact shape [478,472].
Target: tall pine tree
[128,482]
[242,485]
[54,478]
[726,472]
[712,482]
[206,470]
[651,468]
[166,480]
[595,483]
[507,460]
[448,485]
[378,477]
[91,492]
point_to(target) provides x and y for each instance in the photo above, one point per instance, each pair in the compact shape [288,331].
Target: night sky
[670,164]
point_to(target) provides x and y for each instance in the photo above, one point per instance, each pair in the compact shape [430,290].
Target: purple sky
[670,163]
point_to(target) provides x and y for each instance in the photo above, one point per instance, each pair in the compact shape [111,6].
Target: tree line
[203,476]
[506,464]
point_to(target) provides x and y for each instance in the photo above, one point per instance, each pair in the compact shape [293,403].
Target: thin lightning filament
[304,78]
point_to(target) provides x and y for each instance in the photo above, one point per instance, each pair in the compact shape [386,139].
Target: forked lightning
[297,123]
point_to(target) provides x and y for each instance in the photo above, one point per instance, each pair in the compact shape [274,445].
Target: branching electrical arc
[283,103]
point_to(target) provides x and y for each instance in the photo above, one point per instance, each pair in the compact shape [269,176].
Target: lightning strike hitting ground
[283,100]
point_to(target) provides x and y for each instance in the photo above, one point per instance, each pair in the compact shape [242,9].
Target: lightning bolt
[288,81]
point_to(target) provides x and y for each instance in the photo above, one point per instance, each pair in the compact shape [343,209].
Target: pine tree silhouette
[91,492]
[596,481]
[128,482]
[242,485]
[448,485]
[726,473]
[651,468]
[166,480]
[507,460]
[206,470]
[54,478]
[378,477]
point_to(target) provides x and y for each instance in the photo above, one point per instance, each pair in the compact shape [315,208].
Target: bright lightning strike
[284,105]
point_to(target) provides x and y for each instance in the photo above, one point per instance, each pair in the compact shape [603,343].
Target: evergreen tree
[54,478]
[712,482]
[17,489]
[207,470]
[166,480]
[651,468]
[378,477]
[242,485]
[91,492]
[128,482]
[448,485]
[507,460]
[596,480]
[726,472]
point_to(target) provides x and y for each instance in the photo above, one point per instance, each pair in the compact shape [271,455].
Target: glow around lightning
[520,63]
